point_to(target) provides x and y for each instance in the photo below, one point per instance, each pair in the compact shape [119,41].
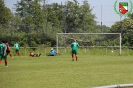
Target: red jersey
[7,46]
[31,54]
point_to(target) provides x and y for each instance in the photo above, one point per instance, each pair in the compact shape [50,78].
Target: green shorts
[17,50]
[74,52]
[3,57]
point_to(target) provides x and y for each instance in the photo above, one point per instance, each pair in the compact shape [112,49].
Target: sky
[103,9]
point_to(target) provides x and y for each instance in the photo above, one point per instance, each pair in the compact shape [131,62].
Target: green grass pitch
[60,72]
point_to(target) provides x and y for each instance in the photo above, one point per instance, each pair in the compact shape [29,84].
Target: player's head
[3,41]
[51,48]
[74,40]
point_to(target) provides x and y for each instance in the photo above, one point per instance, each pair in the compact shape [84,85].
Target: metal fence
[88,50]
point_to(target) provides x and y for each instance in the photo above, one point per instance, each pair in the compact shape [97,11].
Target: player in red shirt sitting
[35,55]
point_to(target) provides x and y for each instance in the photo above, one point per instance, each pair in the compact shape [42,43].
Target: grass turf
[60,72]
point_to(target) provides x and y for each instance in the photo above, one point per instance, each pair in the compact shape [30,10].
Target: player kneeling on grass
[53,52]
[35,55]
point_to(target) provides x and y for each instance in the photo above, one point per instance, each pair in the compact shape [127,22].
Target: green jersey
[74,46]
[16,46]
[2,48]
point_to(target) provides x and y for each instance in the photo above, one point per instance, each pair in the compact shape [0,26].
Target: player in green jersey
[74,47]
[17,47]
[3,54]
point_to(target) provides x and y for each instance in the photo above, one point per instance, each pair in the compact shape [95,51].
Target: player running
[3,54]
[74,47]
[8,49]
[17,46]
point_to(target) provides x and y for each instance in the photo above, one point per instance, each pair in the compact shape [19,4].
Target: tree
[32,17]
[105,29]
[130,16]
[88,21]
[5,14]
[39,23]
[30,11]
[126,28]
[78,18]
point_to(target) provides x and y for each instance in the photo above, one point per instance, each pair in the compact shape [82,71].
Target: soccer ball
[112,51]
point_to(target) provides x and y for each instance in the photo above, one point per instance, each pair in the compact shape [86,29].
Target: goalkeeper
[74,47]
[53,52]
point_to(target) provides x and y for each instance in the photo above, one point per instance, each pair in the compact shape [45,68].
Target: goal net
[89,40]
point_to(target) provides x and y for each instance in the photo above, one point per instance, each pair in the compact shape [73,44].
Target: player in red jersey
[31,54]
[35,55]
[8,49]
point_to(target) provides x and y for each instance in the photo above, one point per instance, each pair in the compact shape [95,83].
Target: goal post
[89,39]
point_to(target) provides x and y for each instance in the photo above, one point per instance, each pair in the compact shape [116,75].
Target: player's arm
[55,52]
[14,46]
[8,46]
[4,52]
[5,47]
[77,45]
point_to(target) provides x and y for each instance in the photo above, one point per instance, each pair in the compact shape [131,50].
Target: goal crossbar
[87,33]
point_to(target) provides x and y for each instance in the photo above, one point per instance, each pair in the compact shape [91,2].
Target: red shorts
[7,51]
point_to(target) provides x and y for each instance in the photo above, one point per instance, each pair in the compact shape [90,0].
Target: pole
[83,19]
[120,35]
[120,44]
[121,24]
[101,20]
[65,24]
[29,34]
[57,43]
[11,26]
[46,21]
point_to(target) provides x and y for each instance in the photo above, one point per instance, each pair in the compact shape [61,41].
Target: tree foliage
[34,24]
[5,13]
[30,12]
[126,28]
[130,16]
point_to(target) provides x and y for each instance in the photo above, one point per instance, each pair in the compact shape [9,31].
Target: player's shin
[76,58]
[10,55]
[5,62]
[0,60]
[72,57]
[18,53]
